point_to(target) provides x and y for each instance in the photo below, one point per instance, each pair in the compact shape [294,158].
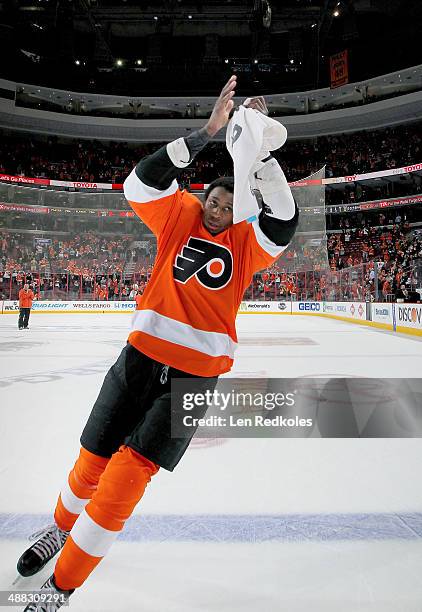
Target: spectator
[26,296]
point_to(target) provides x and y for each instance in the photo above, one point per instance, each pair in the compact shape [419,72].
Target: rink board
[402,318]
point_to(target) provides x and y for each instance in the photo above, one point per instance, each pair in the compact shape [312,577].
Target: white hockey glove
[270,181]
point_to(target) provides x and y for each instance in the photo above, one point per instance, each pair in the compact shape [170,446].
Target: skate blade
[19,581]
[33,582]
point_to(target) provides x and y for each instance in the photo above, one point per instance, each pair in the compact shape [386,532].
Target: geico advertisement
[264,307]
[352,310]
[409,315]
[307,307]
[382,313]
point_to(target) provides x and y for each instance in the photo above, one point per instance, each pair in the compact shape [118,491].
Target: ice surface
[241,525]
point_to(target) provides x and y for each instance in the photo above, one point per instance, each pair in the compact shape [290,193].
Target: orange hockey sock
[78,490]
[120,488]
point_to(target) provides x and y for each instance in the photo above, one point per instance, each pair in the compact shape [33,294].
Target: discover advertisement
[409,316]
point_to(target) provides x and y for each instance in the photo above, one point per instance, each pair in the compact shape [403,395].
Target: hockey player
[184,327]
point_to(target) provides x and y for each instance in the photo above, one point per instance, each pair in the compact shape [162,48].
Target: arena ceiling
[184,46]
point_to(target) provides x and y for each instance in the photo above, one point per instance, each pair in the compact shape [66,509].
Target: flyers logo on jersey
[211,263]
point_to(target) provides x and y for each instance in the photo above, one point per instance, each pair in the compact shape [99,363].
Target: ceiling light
[336,13]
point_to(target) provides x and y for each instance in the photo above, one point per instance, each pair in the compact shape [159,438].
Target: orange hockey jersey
[25,298]
[186,318]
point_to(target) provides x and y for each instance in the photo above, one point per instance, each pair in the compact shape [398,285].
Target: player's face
[218,211]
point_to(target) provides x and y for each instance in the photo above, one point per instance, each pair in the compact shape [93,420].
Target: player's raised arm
[158,172]
[222,108]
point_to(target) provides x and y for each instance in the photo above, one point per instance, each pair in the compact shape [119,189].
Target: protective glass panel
[308,249]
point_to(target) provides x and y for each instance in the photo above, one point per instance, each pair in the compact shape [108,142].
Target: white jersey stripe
[214,344]
[91,538]
[70,501]
[136,191]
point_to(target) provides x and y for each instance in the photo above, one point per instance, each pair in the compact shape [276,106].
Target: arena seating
[93,264]
[77,266]
[345,154]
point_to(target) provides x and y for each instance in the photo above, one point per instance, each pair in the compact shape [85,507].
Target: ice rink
[245,525]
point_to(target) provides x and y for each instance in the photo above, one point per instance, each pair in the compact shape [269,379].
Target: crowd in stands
[386,237]
[361,192]
[83,264]
[344,154]
[351,222]
[378,247]
[393,273]
[71,160]
[362,238]
[89,263]
[71,254]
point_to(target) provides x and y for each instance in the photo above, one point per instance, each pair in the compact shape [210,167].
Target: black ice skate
[50,540]
[55,598]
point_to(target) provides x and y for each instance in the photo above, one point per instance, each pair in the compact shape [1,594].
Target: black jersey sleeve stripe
[280,232]
[158,171]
